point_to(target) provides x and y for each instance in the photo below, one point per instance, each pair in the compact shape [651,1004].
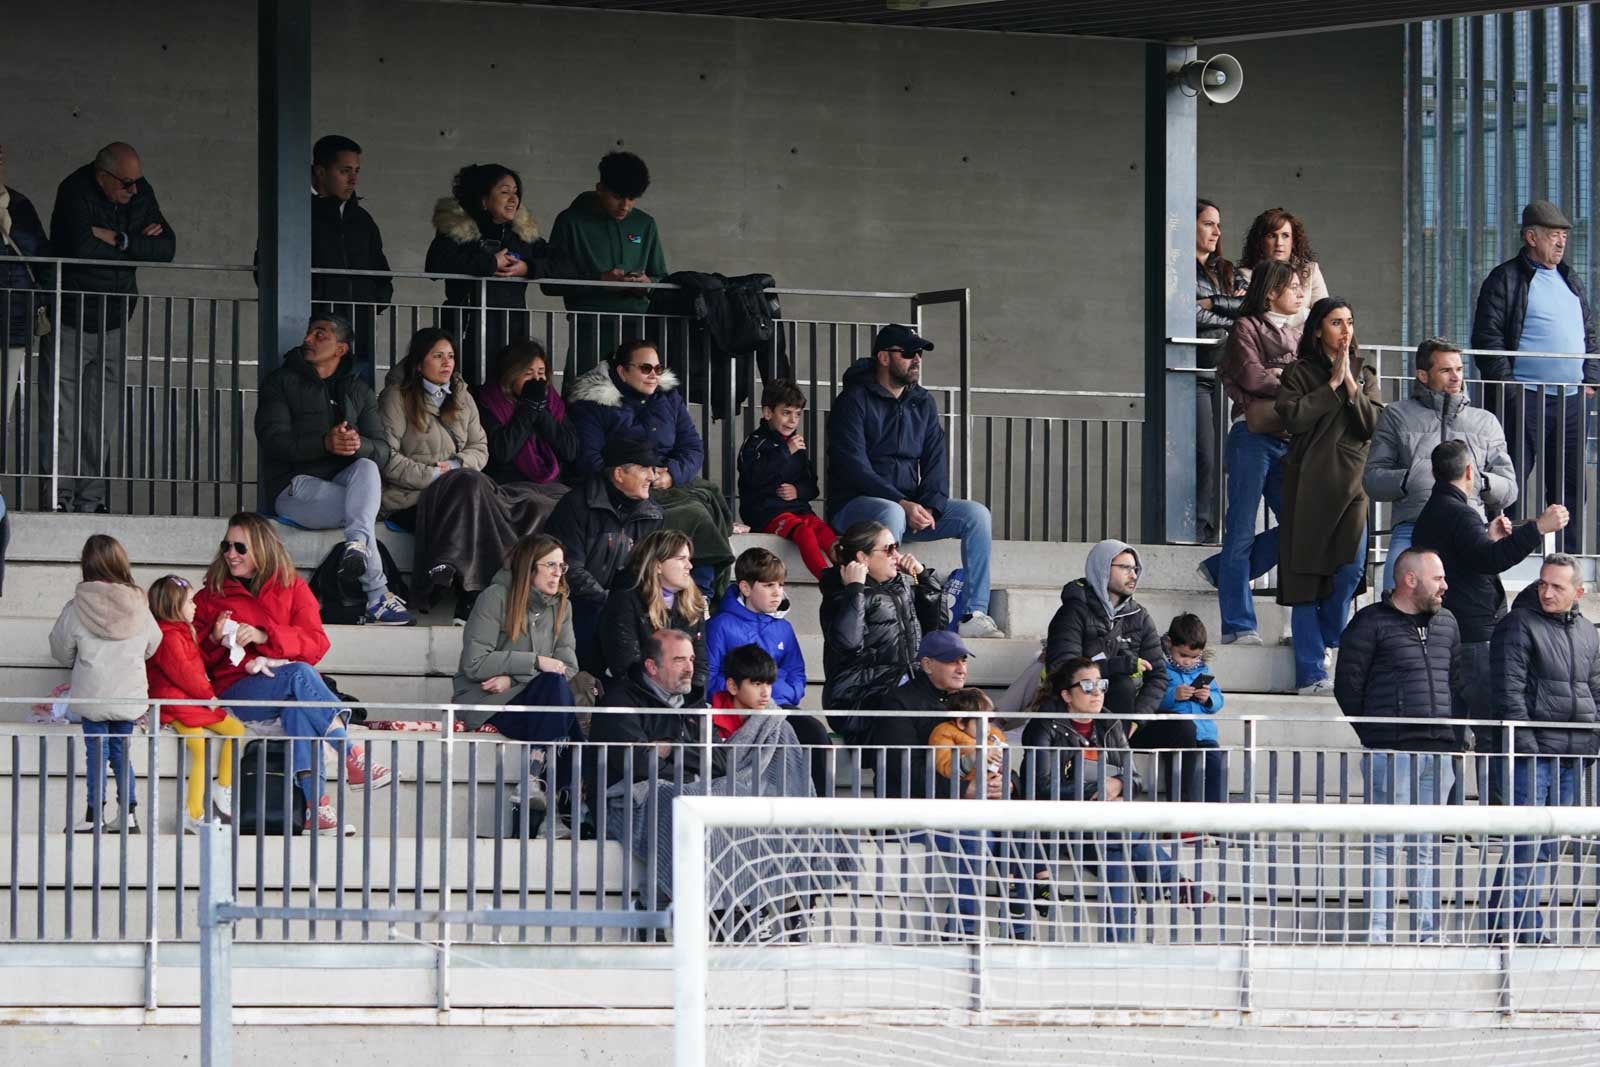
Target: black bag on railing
[267,758]
[345,603]
[728,319]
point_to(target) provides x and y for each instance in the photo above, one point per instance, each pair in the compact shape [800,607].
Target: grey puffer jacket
[1546,668]
[486,651]
[1217,320]
[105,633]
[1400,464]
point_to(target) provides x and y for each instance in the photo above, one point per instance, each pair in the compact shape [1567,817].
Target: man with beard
[1400,659]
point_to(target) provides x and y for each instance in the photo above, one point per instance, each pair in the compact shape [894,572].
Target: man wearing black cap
[888,463]
[941,671]
[598,524]
[1535,303]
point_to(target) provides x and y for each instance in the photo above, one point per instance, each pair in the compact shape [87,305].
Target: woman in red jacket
[260,634]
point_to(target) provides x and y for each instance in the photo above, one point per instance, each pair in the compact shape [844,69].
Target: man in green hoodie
[608,239]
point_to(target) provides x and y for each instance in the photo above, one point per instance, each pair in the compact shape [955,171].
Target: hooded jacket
[735,624]
[1204,728]
[414,454]
[81,206]
[1450,526]
[598,527]
[177,672]
[883,446]
[1088,624]
[105,634]
[1062,758]
[602,407]
[343,234]
[30,283]
[1502,309]
[1400,464]
[1402,666]
[593,242]
[487,652]
[296,409]
[287,614]
[765,463]
[1546,668]
[625,627]
[465,243]
[870,634]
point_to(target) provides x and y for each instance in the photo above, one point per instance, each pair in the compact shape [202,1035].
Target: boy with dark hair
[777,481]
[748,674]
[1193,690]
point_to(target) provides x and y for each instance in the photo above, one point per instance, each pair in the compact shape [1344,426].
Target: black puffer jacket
[1058,756]
[296,411]
[81,206]
[343,234]
[905,740]
[598,527]
[1546,668]
[870,633]
[1216,321]
[625,627]
[1503,308]
[1402,666]
[1082,626]
[649,722]
[29,282]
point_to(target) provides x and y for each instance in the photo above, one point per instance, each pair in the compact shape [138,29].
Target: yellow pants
[195,740]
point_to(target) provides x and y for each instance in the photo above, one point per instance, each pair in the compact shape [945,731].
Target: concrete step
[1027,610]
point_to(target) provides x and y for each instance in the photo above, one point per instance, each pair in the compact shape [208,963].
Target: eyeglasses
[1131,568]
[239,548]
[128,184]
[553,566]
[648,369]
[1093,685]
[890,549]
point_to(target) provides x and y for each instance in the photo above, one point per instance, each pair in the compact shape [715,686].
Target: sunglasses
[1093,685]
[650,369]
[128,184]
[890,549]
[239,548]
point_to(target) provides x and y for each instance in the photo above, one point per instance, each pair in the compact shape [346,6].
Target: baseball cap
[942,646]
[895,335]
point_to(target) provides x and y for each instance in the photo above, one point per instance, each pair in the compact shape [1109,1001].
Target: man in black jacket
[24,288]
[343,234]
[322,448]
[1100,621]
[661,680]
[1546,661]
[1474,557]
[941,670]
[1400,658]
[1535,303]
[104,210]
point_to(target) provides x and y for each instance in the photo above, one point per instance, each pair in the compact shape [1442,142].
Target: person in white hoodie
[104,634]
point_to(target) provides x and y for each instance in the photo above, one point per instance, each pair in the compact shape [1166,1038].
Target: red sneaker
[324,820]
[358,773]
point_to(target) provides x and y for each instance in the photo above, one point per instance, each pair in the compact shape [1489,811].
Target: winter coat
[736,624]
[904,741]
[1324,508]
[177,672]
[1546,668]
[643,727]
[1087,624]
[105,634]
[464,244]
[1452,527]
[27,282]
[287,614]
[1204,728]
[885,447]
[598,527]
[1503,307]
[593,243]
[81,206]
[1256,347]
[487,652]
[1058,755]
[414,454]
[1400,666]
[602,407]
[765,463]
[1216,321]
[295,411]
[625,627]
[1400,465]
[870,634]
[531,416]
[343,234]
[954,746]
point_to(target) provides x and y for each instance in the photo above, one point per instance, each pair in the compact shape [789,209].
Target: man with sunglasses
[105,210]
[888,462]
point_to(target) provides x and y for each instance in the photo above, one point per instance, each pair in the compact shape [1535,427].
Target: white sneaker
[222,801]
[87,824]
[977,625]
[192,825]
[1247,638]
[1320,688]
[113,826]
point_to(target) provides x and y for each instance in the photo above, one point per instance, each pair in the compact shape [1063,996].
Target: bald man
[105,210]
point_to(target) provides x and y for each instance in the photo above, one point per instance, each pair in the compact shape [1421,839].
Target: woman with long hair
[1218,294]
[1260,347]
[433,481]
[1329,404]
[518,647]
[655,592]
[255,604]
[525,419]
[1277,236]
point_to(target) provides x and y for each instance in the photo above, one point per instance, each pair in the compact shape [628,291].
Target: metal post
[216,945]
[1444,155]
[483,330]
[54,414]
[689,935]
[1169,432]
[1412,313]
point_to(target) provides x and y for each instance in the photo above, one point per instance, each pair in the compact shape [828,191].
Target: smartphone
[1203,680]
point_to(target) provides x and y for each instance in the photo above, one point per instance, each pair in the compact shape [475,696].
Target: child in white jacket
[105,633]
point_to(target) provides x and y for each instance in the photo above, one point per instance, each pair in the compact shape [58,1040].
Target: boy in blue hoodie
[752,613]
[1192,690]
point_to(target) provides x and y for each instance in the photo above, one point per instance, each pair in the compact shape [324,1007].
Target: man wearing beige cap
[1535,304]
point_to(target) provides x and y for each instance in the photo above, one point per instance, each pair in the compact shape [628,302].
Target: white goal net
[824,931]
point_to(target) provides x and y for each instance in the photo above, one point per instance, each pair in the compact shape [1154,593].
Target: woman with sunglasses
[635,395]
[876,604]
[655,592]
[254,603]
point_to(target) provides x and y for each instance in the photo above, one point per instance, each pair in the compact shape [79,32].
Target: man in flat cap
[1536,304]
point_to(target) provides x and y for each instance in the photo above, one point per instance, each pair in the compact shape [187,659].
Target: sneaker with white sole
[390,611]
[113,826]
[978,625]
[222,801]
[192,825]
[325,820]
[87,824]
[1248,638]
[357,772]
[1320,688]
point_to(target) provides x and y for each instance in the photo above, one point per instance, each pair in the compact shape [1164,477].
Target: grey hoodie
[1089,625]
[1097,572]
[105,633]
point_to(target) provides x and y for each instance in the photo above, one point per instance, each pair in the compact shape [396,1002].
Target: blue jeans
[966,519]
[306,725]
[1316,626]
[966,854]
[1399,541]
[1388,778]
[1542,781]
[1545,430]
[1132,866]
[1255,473]
[102,739]
[547,689]
[350,503]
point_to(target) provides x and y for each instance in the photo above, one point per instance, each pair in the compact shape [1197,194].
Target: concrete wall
[832,156]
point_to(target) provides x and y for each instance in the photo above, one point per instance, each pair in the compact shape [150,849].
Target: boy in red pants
[777,482]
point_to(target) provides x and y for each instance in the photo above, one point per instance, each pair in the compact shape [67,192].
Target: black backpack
[344,603]
[268,759]
[729,320]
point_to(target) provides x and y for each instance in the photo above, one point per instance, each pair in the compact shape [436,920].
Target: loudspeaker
[1219,79]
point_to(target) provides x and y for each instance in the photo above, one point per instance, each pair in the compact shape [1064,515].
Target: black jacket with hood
[1503,308]
[598,527]
[465,242]
[1546,668]
[1402,666]
[297,409]
[1088,624]
[870,634]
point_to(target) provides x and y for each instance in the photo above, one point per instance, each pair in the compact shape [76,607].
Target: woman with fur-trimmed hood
[484,229]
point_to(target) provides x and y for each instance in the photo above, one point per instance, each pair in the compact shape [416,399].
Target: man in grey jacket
[1400,464]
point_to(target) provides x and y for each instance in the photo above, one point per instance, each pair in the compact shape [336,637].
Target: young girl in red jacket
[177,672]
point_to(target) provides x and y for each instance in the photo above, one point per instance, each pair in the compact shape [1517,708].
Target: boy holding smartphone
[1192,690]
